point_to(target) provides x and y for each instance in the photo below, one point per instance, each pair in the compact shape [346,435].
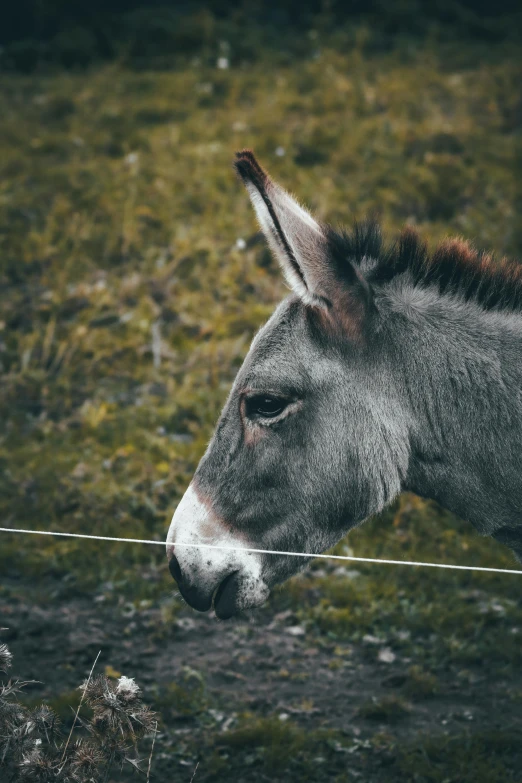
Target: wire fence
[264,551]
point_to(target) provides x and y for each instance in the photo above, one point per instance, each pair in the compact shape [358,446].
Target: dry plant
[34,748]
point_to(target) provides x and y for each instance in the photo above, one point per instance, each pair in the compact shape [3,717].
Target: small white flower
[223,63]
[240,243]
[6,658]
[280,152]
[127,687]
[131,158]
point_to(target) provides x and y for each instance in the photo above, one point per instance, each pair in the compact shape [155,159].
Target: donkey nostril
[175,570]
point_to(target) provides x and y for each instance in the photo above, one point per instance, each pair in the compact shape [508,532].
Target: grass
[128,305]
[480,757]
[420,684]
[275,743]
[435,614]
[187,697]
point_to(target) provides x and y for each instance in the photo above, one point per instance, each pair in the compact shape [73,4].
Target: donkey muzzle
[199,596]
[196,596]
[210,562]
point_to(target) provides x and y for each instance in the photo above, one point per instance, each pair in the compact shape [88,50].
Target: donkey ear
[296,239]
[308,252]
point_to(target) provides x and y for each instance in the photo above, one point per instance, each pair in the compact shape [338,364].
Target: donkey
[385,370]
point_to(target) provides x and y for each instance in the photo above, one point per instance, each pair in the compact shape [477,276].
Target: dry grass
[34,748]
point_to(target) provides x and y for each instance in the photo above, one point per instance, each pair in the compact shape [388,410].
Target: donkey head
[312,439]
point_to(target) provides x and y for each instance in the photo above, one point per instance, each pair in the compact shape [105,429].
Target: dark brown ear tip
[248,168]
[246,153]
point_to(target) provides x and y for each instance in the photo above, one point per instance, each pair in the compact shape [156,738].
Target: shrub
[33,746]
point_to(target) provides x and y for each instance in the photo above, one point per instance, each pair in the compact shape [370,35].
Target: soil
[264,665]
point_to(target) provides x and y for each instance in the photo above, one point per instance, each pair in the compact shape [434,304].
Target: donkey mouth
[225,600]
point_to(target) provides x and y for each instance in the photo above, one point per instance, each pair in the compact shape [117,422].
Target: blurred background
[132,279]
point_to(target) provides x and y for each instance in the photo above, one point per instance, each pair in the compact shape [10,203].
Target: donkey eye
[266,406]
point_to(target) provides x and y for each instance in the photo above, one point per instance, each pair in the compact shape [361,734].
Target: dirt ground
[262,698]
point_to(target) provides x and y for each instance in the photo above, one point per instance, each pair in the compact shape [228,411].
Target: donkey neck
[459,371]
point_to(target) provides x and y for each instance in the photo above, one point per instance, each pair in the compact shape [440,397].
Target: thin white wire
[266,551]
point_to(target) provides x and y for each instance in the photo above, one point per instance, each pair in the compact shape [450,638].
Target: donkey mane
[455,265]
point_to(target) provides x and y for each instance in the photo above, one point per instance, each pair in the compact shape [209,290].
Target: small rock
[79,471]
[185,623]
[369,639]
[282,616]
[386,655]
[295,630]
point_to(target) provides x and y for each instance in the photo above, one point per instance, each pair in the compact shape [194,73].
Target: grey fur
[430,402]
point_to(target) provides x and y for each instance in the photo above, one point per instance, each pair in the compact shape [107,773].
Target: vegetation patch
[388,709]
[278,746]
[480,757]
[33,745]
